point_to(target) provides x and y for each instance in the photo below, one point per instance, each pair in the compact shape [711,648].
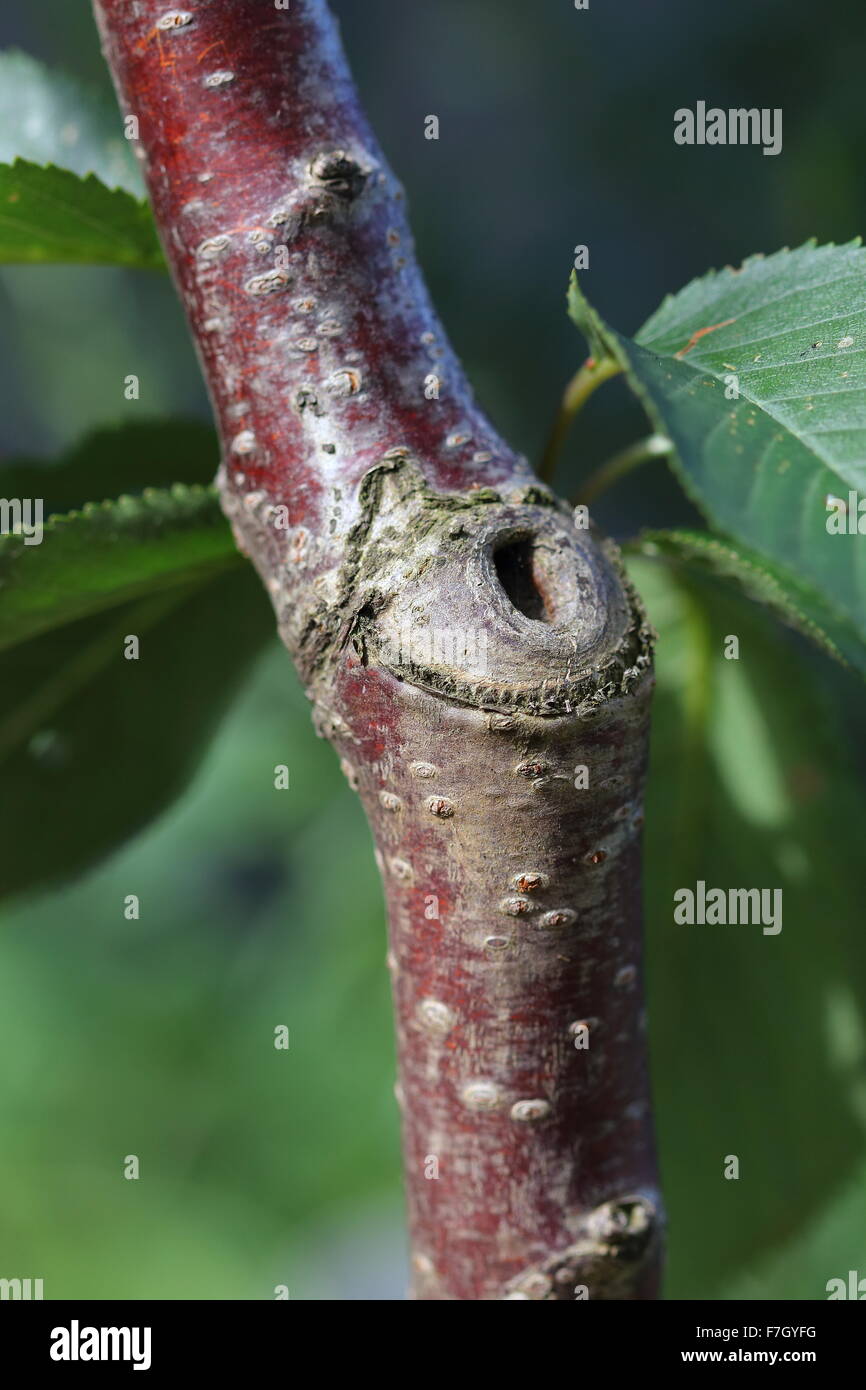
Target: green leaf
[108,553]
[48,214]
[70,188]
[47,117]
[796,603]
[789,333]
[97,553]
[751,786]
[93,745]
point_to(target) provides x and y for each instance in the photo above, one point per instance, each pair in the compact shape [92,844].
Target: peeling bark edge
[385,515]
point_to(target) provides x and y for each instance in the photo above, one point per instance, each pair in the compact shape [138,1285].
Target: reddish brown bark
[467,649]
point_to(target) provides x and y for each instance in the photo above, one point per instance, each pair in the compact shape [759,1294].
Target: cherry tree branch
[479,661]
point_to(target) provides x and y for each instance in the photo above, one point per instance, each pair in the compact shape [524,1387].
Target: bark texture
[478,660]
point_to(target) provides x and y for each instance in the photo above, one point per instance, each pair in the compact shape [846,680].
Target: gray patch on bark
[417,559]
[616,1241]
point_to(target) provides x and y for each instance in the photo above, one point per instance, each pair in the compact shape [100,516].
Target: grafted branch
[479,662]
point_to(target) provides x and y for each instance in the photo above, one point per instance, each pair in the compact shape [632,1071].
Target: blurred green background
[262,907]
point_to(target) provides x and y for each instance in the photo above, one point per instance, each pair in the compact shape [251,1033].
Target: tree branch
[475,659]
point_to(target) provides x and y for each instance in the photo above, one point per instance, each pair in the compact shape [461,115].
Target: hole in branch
[522,578]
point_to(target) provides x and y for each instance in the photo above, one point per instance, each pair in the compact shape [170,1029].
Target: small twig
[585,381]
[653,447]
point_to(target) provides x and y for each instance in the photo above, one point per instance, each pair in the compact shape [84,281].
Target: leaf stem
[585,381]
[652,447]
